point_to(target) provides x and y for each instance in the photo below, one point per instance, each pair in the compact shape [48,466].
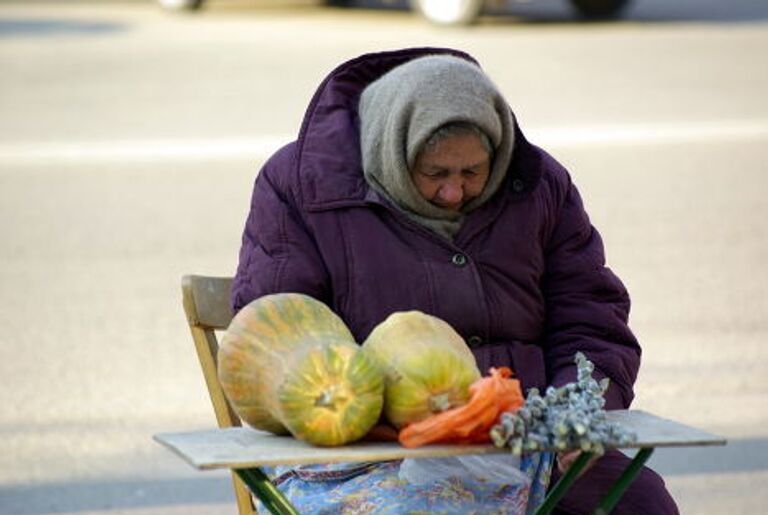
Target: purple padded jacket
[524,281]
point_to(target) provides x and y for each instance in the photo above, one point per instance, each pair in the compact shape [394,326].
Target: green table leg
[562,486]
[621,484]
[267,493]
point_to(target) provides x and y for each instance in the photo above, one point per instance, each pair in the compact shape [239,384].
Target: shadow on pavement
[513,12]
[74,497]
[643,12]
[742,455]
[545,12]
[37,27]
[739,456]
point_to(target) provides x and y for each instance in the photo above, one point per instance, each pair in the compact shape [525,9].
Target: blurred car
[454,12]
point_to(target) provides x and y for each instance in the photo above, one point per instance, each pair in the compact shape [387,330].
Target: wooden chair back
[206,305]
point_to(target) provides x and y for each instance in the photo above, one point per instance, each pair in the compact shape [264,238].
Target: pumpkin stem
[330,398]
[440,402]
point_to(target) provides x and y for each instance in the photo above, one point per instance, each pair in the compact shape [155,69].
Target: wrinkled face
[453,171]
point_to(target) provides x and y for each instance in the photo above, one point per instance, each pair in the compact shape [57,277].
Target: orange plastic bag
[489,398]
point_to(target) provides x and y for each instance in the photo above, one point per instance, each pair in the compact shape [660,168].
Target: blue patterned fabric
[376,488]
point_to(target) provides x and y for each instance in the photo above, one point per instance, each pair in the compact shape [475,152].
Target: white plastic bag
[500,469]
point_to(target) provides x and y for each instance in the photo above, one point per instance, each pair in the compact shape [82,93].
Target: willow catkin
[570,417]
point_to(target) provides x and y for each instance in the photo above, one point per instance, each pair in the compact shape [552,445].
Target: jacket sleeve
[278,253]
[587,306]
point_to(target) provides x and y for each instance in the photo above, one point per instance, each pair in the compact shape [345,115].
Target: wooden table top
[244,447]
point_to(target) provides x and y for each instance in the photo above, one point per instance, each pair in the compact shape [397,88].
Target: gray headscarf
[401,110]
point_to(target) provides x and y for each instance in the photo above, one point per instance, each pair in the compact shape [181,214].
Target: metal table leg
[562,486]
[623,482]
[608,502]
[272,498]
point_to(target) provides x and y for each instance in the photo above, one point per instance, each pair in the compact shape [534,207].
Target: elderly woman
[411,186]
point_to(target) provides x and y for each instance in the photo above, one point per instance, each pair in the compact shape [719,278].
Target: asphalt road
[129,140]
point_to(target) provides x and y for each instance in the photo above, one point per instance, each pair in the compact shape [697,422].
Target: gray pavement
[129,140]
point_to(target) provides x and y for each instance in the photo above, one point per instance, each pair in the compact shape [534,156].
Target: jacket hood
[328,158]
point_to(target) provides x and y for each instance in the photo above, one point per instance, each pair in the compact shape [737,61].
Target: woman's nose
[452,192]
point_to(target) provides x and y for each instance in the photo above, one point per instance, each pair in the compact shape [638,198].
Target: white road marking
[258,148]
[142,151]
[650,133]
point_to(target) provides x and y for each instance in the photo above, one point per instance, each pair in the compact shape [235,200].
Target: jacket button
[474,341]
[459,259]
[518,185]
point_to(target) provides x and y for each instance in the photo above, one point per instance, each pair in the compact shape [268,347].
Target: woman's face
[453,171]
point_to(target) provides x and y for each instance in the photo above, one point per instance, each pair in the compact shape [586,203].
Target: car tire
[180,5]
[449,12]
[599,9]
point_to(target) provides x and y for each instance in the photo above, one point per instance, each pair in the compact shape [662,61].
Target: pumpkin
[288,364]
[427,366]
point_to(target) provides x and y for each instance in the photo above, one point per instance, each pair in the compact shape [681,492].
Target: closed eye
[436,173]
[474,170]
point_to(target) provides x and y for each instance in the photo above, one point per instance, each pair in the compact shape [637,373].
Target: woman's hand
[566,459]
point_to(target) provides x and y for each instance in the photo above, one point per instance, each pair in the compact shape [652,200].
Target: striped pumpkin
[288,364]
[427,366]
